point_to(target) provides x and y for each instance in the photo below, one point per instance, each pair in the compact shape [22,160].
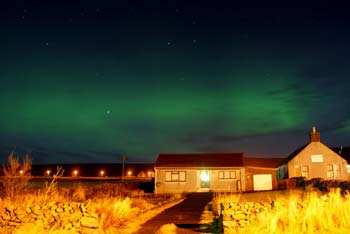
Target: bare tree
[16,175]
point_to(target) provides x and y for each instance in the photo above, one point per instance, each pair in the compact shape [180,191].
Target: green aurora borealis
[91,88]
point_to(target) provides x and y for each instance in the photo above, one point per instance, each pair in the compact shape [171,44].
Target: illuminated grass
[295,212]
[115,208]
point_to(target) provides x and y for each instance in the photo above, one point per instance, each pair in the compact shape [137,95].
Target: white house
[314,160]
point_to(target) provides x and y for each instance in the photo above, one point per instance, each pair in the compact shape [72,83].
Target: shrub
[114,212]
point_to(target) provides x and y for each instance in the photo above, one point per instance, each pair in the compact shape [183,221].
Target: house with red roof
[176,173]
[233,172]
[219,172]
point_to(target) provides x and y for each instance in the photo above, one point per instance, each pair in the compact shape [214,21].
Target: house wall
[193,182]
[227,185]
[316,169]
[162,186]
[251,171]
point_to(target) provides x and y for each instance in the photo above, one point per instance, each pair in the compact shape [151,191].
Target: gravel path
[185,215]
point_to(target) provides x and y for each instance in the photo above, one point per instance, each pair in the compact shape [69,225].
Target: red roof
[262,162]
[200,160]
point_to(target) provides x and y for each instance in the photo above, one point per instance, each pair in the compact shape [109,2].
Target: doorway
[204,178]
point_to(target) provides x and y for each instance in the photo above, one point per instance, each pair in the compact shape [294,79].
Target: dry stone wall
[72,217]
[239,215]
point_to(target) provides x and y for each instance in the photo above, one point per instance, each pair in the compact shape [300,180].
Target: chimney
[314,135]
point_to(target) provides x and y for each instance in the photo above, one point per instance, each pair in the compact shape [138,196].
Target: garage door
[262,182]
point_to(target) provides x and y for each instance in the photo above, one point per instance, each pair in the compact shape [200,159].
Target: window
[330,173]
[317,158]
[336,171]
[305,171]
[175,176]
[227,175]
[333,171]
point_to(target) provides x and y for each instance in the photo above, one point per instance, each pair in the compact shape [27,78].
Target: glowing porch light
[102,173]
[75,172]
[21,172]
[204,176]
[48,172]
[129,173]
[149,174]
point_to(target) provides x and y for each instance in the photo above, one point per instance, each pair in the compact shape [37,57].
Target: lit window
[175,176]
[336,170]
[330,173]
[227,175]
[333,171]
[305,171]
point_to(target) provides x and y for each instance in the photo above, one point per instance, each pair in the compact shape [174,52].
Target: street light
[21,172]
[48,172]
[75,172]
[129,173]
[102,173]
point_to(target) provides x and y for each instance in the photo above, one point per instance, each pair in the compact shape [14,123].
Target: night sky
[87,81]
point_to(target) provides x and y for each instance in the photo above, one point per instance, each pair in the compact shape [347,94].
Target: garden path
[185,215]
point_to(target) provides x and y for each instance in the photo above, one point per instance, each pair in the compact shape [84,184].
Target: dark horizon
[89,81]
